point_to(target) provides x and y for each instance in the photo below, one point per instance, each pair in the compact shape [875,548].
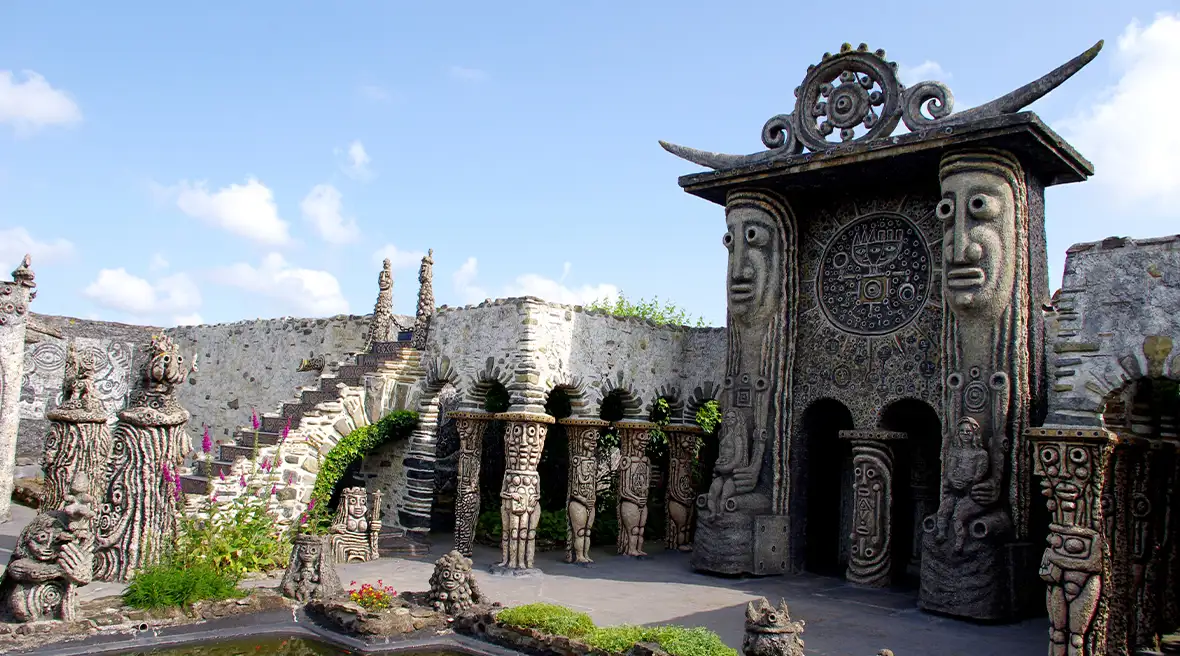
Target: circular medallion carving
[874,277]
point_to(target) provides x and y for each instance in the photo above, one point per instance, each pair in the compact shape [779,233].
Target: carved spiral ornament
[851,89]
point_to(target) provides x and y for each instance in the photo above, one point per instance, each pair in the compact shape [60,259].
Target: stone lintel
[534,417]
[472,414]
[1070,434]
[683,428]
[634,424]
[907,156]
[873,435]
[584,421]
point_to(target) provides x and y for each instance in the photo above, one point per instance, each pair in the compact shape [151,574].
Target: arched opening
[663,408]
[554,465]
[917,475]
[827,471]
[442,513]
[606,514]
[491,468]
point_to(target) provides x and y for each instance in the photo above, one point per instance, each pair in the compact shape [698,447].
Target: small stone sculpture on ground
[54,556]
[452,586]
[312,572]
[770,630]
[356,527]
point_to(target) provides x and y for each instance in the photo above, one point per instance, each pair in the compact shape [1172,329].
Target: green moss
[558,620]
[548,618]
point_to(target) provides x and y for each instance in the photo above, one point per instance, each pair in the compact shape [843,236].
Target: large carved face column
[737,531]
[871,559]
[520,494]
[15,297]
[679,499]
[1074,465]
[581,491]
[965,566]
[634,484]
[79,440]
[471,426]
[137,518]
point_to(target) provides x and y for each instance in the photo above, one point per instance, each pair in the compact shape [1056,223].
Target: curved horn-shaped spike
[721,160]
[1027,94]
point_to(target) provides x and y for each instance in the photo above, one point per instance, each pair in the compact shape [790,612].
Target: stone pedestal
[520,493]
[679,500]
[581,491]
[634,484]
[1074,465]
[471,427]
[870,562]
[15,297]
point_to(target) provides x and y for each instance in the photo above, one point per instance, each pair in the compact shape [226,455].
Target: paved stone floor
[841,619]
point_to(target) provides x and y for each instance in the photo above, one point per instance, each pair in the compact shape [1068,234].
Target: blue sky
[233,160]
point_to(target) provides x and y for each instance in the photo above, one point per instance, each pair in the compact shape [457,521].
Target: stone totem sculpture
[770,631]
[452,585]
[15,297]
[311,573]
[356,527]
[520,493]
[762,291]
[52,559]
[989,374]
[679,499]
[137,519]
[79,440]
[870,560]
[582,486]
[634,484]
[425,300]
[471,427]
[382,327]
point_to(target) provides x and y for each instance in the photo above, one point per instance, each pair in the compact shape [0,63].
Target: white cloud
[927,70]
[322,208]
[375,93]
[530,284]
[1125,134]
[468,74]
[247,210]
[158,263]
[33,104]
[115,289]
[398,258]
[358,161]
[193,319]
[16,242]
[302,292]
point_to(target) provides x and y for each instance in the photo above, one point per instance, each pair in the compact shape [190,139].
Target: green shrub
[709,416]
[171,585]
[489,527]
[548,618]
[666,314]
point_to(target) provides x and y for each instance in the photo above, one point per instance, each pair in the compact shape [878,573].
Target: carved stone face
[968,432]
[978,211]
[450,578]
[309,554]
[356,509]
[42,541]
[755,263]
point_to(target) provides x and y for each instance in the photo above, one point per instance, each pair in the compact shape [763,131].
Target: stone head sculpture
[967,433]
[452,585]
[166,368]
[385,278]
[984,211]
[311,573]
[755,241]
[770,630]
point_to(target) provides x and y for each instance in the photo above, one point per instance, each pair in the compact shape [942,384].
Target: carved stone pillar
[679,500]
[471,426]
[79,440]
[634,484]
[582,489]
[1127,462]
[137,519]
[520,494]
[15,297]
[1074,465]
[425,309]
[1151,585]
[870,561]
[1170,555]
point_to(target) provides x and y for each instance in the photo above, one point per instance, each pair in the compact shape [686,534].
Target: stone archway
[828,485]
[917,475]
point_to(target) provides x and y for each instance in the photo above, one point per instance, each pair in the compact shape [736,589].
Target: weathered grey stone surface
[1115,319]
[15,297]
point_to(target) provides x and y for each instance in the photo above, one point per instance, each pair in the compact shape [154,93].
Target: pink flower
[311,505]
[254,419]
[266,464]
[242,480]
[286,430]
[177,491]
[167,473]
[303,519]
[274,489]
[221,475]
[206,441]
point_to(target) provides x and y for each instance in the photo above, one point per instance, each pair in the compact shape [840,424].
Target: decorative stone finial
[382,328]
[23,275]
[425,300]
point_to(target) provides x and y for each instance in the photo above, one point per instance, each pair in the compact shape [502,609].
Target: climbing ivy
[663,314]
[357,444]
[709,416]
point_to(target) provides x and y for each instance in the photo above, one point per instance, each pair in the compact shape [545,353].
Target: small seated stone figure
[311,573]
[354,532]
[770,630]
[54,556]
[452,585]
[967,466]
[736,470]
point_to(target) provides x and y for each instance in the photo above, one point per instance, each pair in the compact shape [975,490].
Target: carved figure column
[582,489]
[988,298]
[679,499]
[634,484]
[425,301]
[382,327]
[1074,464]
[137,519]
[471,426]
[15,297]
[79,440]
[520,493]
[872,515]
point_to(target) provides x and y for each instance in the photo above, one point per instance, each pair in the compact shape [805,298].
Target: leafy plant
[709,416]
[371,597]
[549,618]
[561,621]
[661,314]
[171,585]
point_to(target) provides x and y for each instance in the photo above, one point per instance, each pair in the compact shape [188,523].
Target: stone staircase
[347,374]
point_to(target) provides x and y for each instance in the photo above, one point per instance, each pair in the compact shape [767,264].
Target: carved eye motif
[757,235]
[727,239]
[945,209]
[983,207]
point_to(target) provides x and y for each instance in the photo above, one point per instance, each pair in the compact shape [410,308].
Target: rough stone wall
[1115,320]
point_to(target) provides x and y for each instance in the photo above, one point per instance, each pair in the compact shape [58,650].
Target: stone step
[330,383]
[245,437]
[231,452]
[275,423]
[402,544]
[216,468]
[194,484]
[312,398]
[351,371]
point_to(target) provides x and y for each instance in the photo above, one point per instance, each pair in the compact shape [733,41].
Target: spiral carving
[855,88]
[933,97]
[779,132]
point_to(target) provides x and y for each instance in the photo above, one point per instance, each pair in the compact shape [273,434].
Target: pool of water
[263,647]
